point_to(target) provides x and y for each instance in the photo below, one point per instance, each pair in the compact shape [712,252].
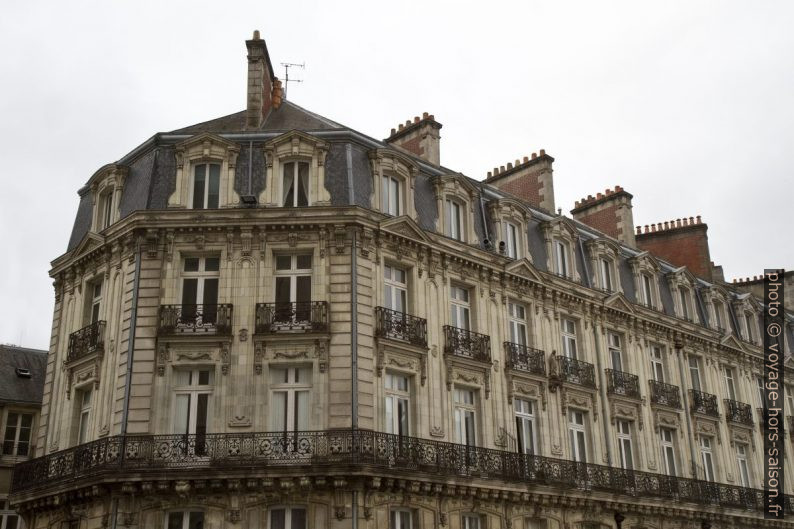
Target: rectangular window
[83,398]
[8,518]
[16,441]
[730,388]
[200,290]
[186,520]
[295,184]
[718,315]
[694,372]
[668,450]
[518,323]
[606,274]
[290,398]
[761,392]
[647,290]
[93,302]
[741,462]
[460,310]
[624,444]
[398,404]
[400,519]
[789,398]
[454,220]
[293,288]
[287,518]
[748,322]
[568,337]
[561,258]
[615,351]
[470,521]
[706,457]
[390,196]
[107,210]
[395,289]
[576,431]
[465,416]
[206,186]
[657,363]
[511,240]
[192,391]
[525,425]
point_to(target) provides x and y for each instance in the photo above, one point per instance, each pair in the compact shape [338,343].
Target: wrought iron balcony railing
[400,326]
[576,371]
[523,358]
[264,454]
[738,412]
[195,319]
[704,403]
[85,341]
[665,394]
[306,316]
[623,384]
[468,344]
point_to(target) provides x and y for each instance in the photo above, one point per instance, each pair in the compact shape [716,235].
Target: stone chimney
[608,212]
[682,242]
[530,179]
[264,90]
[419,137]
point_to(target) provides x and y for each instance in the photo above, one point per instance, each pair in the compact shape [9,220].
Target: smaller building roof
[22,372]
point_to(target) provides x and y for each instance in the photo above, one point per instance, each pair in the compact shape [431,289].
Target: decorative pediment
[525,269]
[294,143]
[645,261]
[90,242]
[206,146]
[707,427]
[666,419]
[682,275]
[619,302]
[729,340]
[405,227]
[560,226]
[390,160]
[108,175]
[603,245]
[455,182]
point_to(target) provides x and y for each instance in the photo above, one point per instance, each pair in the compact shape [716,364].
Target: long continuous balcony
[308,316]
[738,412]
[86,341]
[195,319]
[705,403]
[665,394]
[467,344]
[523,358]
[576,371]
[623,384]
[262,454]
[400,326]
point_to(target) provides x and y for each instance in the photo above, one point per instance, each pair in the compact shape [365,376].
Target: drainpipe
[679,346]
[130,355]
[354,359]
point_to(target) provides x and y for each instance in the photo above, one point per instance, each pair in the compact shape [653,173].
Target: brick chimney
[419,137]
[608,212]
[264,90]
[682,242]
[530,179]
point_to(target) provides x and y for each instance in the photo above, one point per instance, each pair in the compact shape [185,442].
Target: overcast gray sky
[688,105]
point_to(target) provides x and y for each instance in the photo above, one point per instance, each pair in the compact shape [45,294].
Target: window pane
[213,193]
[277,519]
[279,411]
[304,290]
[289,184]
[196,520]
[191,264]
[304,262]
[198,186]
[301,411]
[298,518]
[303,184]
[175,520]
[212,264]
[189,290]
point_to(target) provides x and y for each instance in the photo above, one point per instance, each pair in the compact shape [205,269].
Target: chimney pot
[489,174]
[425,115]
[534,155]
[517,162]
[509,166]
[407,122]
[393,131]
[599,195]
[256,35]
[542,152]
[526,159]
[416,119]
[698,219]
[501,168]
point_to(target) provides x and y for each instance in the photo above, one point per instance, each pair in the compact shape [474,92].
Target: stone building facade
[271,320]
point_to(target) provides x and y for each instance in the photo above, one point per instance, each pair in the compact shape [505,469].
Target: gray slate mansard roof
[152,174]
[17,389]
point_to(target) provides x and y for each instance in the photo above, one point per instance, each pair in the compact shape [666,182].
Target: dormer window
[511,240]
[105,188]
[648,297]
[604,255]
[106,211]
[453,225]
[749,323]
[684,299]
[206,186]
[561,259]
[295,184]
[391,196]
[719,316]
[606,274]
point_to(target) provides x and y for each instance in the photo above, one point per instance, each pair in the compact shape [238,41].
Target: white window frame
[288,511]
[615,350]
[6,515]
[390,204]
[707,457]
[657,363]
[84,414]
[185,518]
[397,396]
[562,258]
[293,273]
[96,288]
[742,464]
[730,382]
[465,412]
[512,241]
[694,373]
[607,282]
[749,323]
[460,307]
[394,288]
[454,219]
[526,425]
[517,323]
[568,336]
[106,211]
[207,175]
[296,164]
[625,444]
[577,433]
[401,519]
[668,451]
[759,382]
[648,293]
[292,388]
[193,389]
[201,276]
[719,315]
[470,521]
[684,297]
[18,429]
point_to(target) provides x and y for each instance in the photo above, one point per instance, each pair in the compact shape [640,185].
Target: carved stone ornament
[240,421]
[194,355]
[293,355]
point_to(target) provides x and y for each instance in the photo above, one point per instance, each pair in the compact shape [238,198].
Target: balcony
[623,384]
[86,341]
[665,394]
[738,412]
[305,316]
[400,326]
[204,319]
[523,358]
[576,372]
[704,403]
[265,455]
[467,344]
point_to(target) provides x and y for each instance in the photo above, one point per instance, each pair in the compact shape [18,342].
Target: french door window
[624,444]
[16,441]
[200,290]
[561,258]
[706,457]
[94,302]
[576,431]
[107,209]
[465,416]
[694,372]
[615,351]
[606,274]
[192,390]
[668,450]
[290,396]
[525,425]
[685,312]
[398,400]
[295,184]
[748,322]
[400,519]
[511,240]
[657,363]
[729,384]
[459,308]
[84,397]
[8,518]
[395,288]
[206,186]
[453,224]
[391,196]
[518,323]
[718,314]
[287,518]
[470,521]
[741,461]
[293,288]
[568,337]
[647,290]
[186,520]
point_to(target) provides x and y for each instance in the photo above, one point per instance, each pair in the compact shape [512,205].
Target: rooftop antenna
[287,80]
